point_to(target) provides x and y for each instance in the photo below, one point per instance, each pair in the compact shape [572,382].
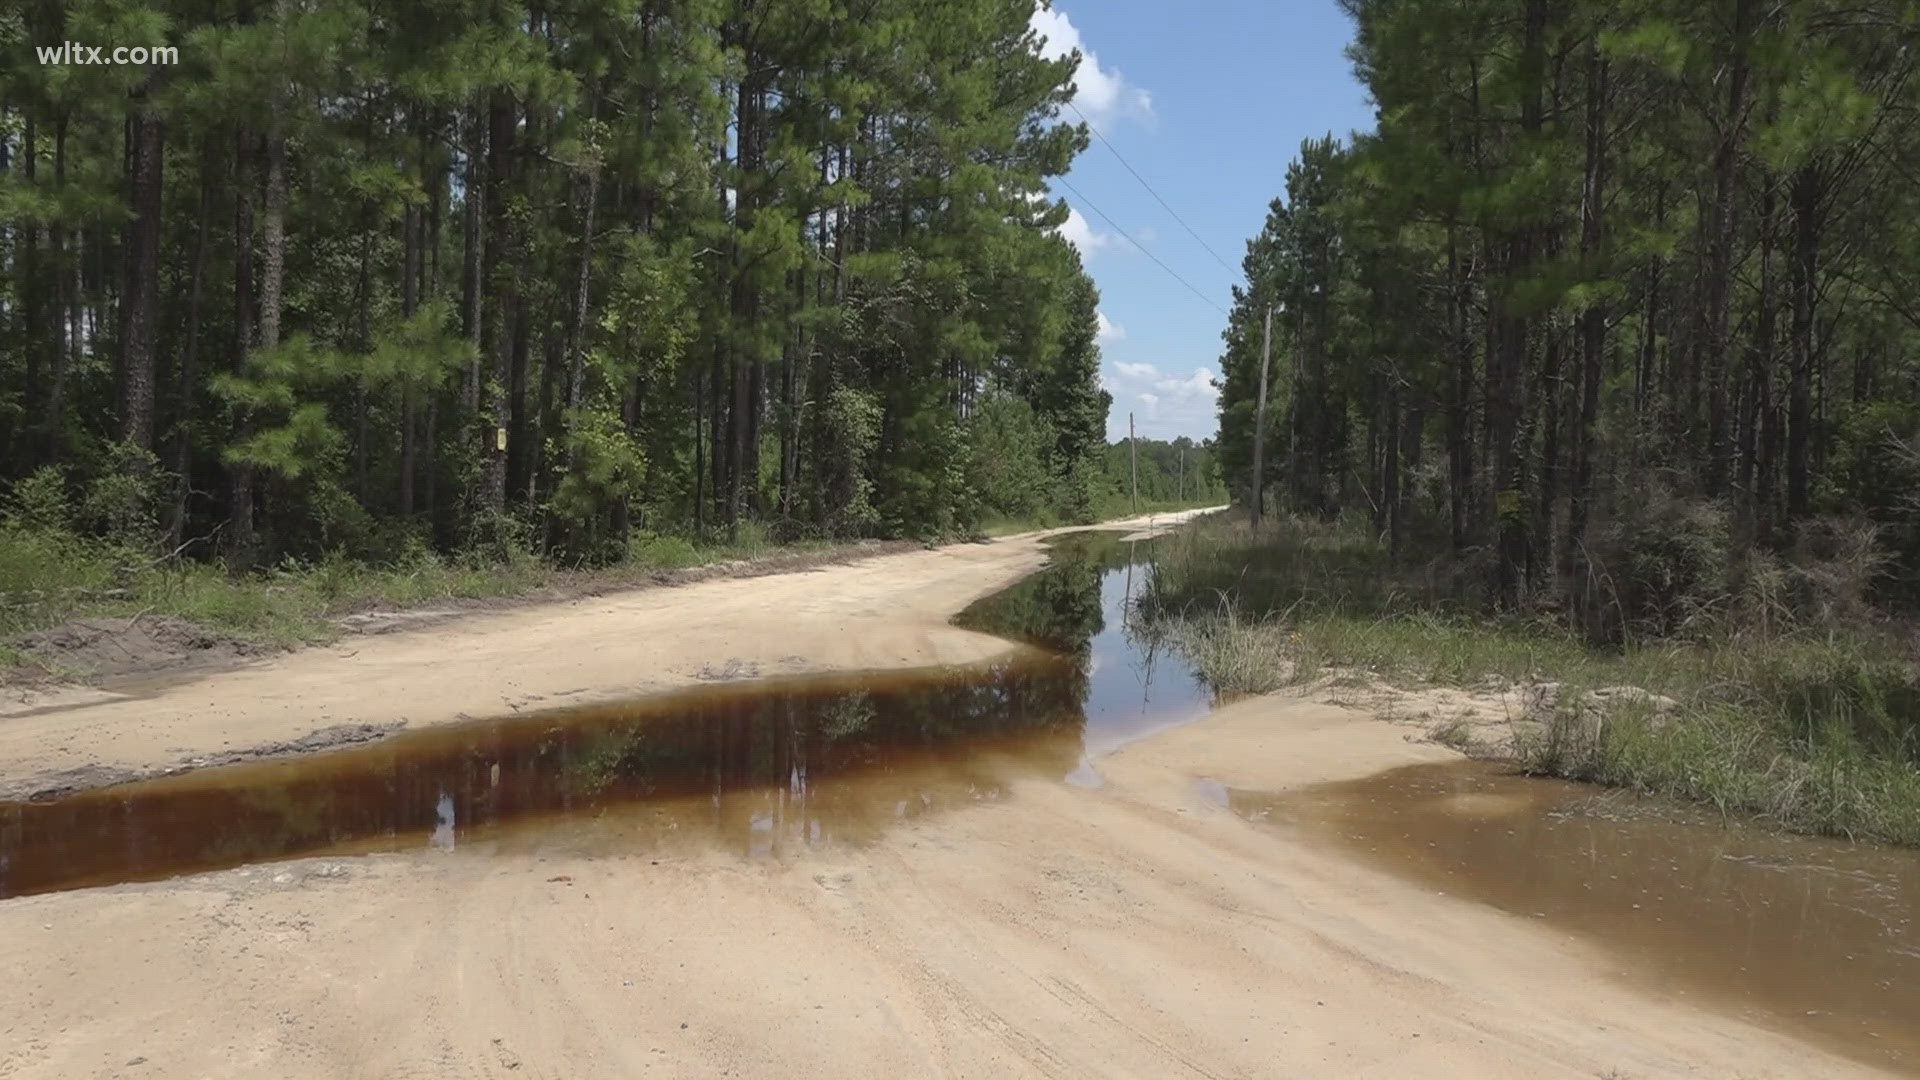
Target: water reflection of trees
[808,759]
[1057,609]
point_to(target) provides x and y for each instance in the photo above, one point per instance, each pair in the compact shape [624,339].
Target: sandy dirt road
[1134,929]
[888,611]
[1137,930]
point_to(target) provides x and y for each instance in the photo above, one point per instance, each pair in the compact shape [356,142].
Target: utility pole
[1260,420]
[1133,453]
[1183,473]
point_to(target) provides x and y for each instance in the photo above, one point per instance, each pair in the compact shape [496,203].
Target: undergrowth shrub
[1664,561]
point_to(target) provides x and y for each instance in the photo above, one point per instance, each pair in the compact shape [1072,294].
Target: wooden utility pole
[1133,454]
[1183,472]
[1260,421]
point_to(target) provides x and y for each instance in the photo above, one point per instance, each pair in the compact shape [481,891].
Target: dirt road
[1133,928]
[890,611]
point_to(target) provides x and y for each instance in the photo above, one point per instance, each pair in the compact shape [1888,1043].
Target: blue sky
[1208,100]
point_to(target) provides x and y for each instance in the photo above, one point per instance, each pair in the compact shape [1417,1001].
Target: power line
[1143,248]
[1143,183]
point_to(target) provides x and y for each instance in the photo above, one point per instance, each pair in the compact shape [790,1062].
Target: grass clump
[1738,761]
[1815,728]
[1238,657]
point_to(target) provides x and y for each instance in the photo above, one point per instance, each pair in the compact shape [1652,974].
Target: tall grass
[49,576]
[1817,730]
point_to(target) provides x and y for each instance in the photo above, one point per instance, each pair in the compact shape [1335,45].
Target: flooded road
[1812,936]
[756,768]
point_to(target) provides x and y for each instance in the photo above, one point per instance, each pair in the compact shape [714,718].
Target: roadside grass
[1816,731]
[48,577]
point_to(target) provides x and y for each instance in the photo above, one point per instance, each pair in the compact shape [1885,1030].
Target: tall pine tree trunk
[66,342]
[363,336]
[410,228]
[140,293]
[1712,336]
[273,239]
[1460,424]
[190,357]
[582,284]
[496,328]
[240,498]
[1806,252]
[1507,431]
[473,285]
[1593,339]
[32,293]
[1766,453]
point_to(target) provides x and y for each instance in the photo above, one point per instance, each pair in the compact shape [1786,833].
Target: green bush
[1007,443]
[1665,560]
[39,502]
[664,552]
[48,574]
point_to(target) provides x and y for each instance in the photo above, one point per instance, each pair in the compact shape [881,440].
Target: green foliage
[1613,301]
[1667,561]
[606,471]
[851,423]
[1181,473]
[1876,475]
[48,574]
[709,264]
[121,499]
[39,502]
[1008,445]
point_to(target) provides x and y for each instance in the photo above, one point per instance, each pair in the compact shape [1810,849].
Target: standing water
[1807,935]
[759,767]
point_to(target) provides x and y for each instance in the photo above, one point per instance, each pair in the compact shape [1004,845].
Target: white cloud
[1103,92]
[1197,385]
[1078,232]
[1109,330]
[1169,404]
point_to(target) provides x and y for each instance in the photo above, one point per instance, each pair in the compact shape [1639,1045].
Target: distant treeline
[1181,471]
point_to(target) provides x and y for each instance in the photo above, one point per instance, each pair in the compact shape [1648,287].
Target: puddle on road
[758,768]
[1131,686]
[1815,936]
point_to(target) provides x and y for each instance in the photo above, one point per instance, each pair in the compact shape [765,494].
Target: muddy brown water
[1808,935]
[759,767]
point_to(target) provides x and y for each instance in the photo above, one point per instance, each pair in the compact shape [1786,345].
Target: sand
[1133,929]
